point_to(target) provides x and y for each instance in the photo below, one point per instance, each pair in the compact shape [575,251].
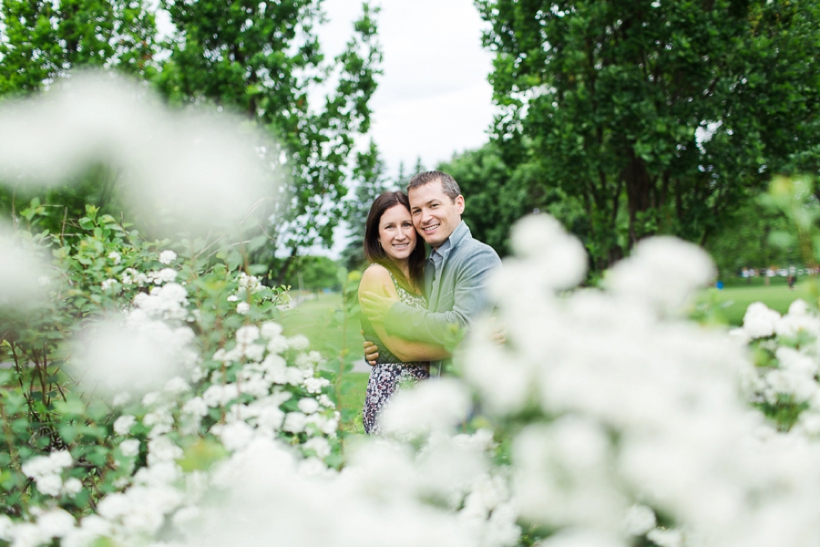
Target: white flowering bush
[150,401]
[134,377]
[786,353]
[627,423]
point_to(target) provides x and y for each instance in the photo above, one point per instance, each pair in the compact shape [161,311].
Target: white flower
[115,257]
[162,449]
[121,399]
[196,407]
[294,422]
[130,448]
[72,487]
[55,523]
[315,385]
[220,395]
[150,398]
[325,401]
[61,458]
[760,321]
[5,527]
[109,284]
[308,405]
[665,538]
[247,334]
[298,342]
[639,520]
[166,257]
[47,466]
[254,352]
[798,307]
[51,485]
[559,260]
[662,272]
[164,275]
[271,330]
[176,386]
[232,298]
[294,376]
[242,308]
[26,534]
[249,283]
[123,424]
[319,445]
[430,406]
[132,277]
[277,344]
[234,436]
[792,325]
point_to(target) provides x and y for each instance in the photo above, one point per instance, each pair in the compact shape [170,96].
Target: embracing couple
[411,302]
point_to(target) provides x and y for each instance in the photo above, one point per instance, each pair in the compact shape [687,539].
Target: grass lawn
[323,323]
[734,300]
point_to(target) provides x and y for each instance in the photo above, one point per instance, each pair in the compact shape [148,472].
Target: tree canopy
[260,59]
[42,40]
[656,116]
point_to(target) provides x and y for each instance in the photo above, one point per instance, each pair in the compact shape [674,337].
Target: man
[455,275]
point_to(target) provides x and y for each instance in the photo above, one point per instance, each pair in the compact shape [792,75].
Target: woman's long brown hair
[374,252]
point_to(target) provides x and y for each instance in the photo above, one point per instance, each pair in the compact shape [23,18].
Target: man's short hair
[448,183]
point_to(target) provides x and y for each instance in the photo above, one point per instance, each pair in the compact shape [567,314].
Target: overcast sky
[433,98]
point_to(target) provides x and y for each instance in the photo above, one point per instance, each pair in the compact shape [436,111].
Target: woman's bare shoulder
[374,276]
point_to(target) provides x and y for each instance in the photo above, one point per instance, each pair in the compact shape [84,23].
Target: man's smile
[431,228]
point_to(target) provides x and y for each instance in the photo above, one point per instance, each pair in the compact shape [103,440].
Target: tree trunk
[638,192]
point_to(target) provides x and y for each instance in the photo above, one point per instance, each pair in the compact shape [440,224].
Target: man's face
[435,215]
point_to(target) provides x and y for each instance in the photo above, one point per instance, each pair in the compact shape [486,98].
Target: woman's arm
[377,279]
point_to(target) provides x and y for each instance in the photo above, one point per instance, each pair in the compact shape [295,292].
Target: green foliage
[495,195]
[99,270]
[655,117]
[370,181]
[313,273]
[744,242]
[40,40]
[262,58]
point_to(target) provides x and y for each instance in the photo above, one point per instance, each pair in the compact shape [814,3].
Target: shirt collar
[436,255]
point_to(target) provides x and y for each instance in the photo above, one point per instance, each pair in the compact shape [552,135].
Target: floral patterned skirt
[385,380]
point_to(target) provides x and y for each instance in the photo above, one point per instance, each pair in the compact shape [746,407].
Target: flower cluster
[260,386]
[613,400]
[787,355]
[47,470]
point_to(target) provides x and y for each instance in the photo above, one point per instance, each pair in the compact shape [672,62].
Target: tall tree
[370,180]
[41,40]
[659,116]
[263,58]
[495,195]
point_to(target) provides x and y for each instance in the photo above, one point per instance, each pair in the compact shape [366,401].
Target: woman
[396,257]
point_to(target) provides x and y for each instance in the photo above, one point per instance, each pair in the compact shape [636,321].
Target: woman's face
[396,233]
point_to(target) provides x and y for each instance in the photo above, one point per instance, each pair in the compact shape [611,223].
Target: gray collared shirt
[456,277]
[435,262]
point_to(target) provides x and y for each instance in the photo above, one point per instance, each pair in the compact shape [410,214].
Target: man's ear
[460,204]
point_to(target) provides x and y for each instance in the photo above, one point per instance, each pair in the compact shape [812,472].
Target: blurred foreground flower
[23,275]
[191,169]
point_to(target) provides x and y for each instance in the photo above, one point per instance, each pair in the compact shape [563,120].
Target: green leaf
[201,455]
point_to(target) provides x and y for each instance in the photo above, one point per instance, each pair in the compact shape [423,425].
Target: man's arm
[470,299]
